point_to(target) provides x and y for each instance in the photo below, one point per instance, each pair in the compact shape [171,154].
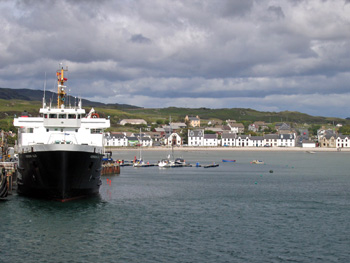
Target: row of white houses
[143,139]
[198,138]
[120,140]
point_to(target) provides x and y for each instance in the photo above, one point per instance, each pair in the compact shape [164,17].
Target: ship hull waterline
[60,175]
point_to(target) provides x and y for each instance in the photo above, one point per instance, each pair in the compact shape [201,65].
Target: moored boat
[60,152]
[228,161]
[211,165]
[257,162]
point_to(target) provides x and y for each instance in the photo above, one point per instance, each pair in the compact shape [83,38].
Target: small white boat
[257,162]
[165,163]
[310,152]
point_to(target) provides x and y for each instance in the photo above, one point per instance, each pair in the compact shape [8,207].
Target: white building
[116,139]
[242,140]
[146,141]
[228,139]
[271,140]
[173,139]
[342,141]
[308,144]
[236,127]
[286,140]
[210,140]
[256,141]
[195,137]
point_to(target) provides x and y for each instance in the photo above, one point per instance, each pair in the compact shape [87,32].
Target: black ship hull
[61,175]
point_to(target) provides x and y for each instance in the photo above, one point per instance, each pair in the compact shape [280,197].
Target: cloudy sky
[268,55]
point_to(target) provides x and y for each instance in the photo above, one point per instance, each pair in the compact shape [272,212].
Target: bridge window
[53,116]
[96,131]
[72,116]
[62,116]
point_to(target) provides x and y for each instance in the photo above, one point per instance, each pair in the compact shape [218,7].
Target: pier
[110,168]
[8,178]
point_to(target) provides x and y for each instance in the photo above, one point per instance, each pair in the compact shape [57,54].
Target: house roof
[243,136]
[284,126]
[228,136]
[193,118]
[118,135]
[210,136]
[256,138]
[328,136]
[260,123]
[213,129]
[155,134]
[287,136]
[177,125]
[271,136]
[195,133]
[236,125]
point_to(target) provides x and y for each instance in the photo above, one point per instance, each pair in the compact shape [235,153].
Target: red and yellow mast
[61,88]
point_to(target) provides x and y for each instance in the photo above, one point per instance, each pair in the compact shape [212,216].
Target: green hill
[13,102]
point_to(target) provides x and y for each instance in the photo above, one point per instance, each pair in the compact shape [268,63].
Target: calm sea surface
[237,212]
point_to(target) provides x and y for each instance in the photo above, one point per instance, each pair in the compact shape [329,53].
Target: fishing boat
[228,161]
[60,152]
[257,162]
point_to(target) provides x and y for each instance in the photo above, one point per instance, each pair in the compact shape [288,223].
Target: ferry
[60,152]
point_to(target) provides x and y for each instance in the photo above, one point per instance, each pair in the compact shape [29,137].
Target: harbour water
[294,208]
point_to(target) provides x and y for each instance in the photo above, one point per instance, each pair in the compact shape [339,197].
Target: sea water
[294,208]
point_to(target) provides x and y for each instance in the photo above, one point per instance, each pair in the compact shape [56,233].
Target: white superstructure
[61,125]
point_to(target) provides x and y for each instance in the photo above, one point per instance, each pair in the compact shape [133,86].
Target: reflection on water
[237,212]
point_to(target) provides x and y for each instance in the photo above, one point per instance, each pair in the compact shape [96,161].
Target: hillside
[238,114]
[37,95]
[13,102]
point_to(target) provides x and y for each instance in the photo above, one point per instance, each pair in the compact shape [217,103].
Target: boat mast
[61,88]
[140,147]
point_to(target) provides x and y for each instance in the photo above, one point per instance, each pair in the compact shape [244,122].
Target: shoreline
[233,149]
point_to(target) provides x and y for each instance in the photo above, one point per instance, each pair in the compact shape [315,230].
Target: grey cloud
[235,8]
[139,38]
[276,11]
[202,51]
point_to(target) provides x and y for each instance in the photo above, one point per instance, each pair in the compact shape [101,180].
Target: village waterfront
[295,207]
